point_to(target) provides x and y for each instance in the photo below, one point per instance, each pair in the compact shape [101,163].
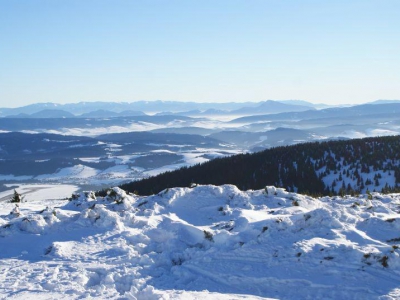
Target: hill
[320,168]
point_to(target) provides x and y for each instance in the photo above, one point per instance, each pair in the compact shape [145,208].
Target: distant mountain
[284,137]
[297,102]
[213,111]
[205,113]
[336,112]
[88,124]
[197,113]
[29,109]
[263,140]
[181,108]
[52,113]
[101,113]
[160,138]
[384,101]
[43,114]
[151,107]
[131,113]
[18,116]
[185,130]
[118,107]
[270,107]
[321,168]
[306,103]
[165,113]
[161,106]
[193,112]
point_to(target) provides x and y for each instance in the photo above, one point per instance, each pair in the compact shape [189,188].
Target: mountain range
[212,207]
[130,145]
[112,109]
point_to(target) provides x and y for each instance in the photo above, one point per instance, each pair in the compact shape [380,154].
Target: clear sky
[341,51]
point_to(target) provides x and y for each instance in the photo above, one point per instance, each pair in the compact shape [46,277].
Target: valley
[106,144]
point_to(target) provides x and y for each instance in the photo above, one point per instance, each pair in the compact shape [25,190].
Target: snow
[39,192]
[369,132]
[118,171]
[162,151]
[95,131]
[76,172]
[189,158]
[381,132]
[205,242]
[386,177]
[90,159]
[156,171]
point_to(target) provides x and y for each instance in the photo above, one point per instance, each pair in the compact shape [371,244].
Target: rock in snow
[205,242]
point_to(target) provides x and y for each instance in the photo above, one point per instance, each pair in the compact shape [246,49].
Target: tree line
[303,168]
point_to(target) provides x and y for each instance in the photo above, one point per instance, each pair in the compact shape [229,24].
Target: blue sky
[321,51]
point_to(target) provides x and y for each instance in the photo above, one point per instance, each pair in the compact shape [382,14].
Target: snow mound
[203,242]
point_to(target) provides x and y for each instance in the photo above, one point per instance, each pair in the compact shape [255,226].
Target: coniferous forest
[320,168]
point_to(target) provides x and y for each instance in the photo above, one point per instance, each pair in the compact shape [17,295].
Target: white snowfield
[206,242]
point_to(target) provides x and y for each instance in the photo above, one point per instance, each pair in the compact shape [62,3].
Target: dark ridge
[355,165]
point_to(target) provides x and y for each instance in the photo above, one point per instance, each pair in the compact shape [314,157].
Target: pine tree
[17,198]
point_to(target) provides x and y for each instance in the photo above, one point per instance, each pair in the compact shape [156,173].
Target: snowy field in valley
[123,171]
[33,193]
[205,242]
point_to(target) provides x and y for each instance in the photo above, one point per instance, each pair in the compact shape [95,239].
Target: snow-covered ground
[206,242]
[38,192]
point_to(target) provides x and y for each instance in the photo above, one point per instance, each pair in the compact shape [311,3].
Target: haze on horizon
[332,52]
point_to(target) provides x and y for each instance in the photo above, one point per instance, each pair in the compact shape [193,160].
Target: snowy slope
[34,192]
[206,242]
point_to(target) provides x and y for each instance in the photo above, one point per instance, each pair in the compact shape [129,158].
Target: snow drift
[202,242]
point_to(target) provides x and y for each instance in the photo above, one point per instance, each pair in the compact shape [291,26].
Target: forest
[320,168]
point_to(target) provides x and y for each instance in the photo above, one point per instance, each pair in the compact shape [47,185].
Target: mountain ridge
[318,168]
[156,106]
